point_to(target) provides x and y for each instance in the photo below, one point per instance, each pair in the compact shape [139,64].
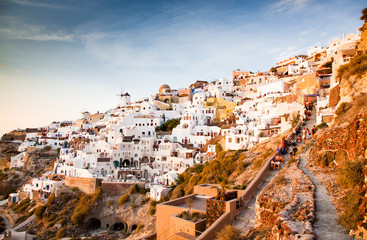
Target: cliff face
[353,76]
[340,154]
[341,143]
[7,150]
[362,46]
[39,160]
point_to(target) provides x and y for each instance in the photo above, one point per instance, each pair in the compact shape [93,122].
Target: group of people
[300,135]
[275,164]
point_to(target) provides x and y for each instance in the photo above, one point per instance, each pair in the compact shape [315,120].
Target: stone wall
[351,138]
[286,205]
[214,209]
[86,185]
[118,188]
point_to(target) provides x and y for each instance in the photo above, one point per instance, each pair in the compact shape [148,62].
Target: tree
[223,184]
[273,70]
[189,203]
[218,148]
[364,15]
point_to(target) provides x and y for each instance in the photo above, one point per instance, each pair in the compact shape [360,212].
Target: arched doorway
[126,163]
[119,226]
[93,224]
[134,227]
[145,159]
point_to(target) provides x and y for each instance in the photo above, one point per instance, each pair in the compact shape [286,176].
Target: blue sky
[59,58]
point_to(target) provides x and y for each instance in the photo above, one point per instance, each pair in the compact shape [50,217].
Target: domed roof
[164,89]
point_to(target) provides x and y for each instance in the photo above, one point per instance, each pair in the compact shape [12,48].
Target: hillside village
[152,141]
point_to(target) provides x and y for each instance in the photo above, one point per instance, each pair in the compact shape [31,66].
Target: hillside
[235,169]
[339,155]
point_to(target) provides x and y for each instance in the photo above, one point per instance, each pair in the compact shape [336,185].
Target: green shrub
[50,199]
[123,199]
[2,225]
[110,203]
[134,189]
[142,191]
[280,180]
[295,119]
[60,233]
[85,203]
[39,212]
[152,211]
[47,148]
[218,148]
[356,67]
[325,159]
[343,108]
[350,175]
[168,125]
[321,125]
[229,232]
[139,228]
[350,215]
[21,219]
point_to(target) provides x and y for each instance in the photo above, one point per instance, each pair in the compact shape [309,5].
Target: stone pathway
[326,225]
[246,219]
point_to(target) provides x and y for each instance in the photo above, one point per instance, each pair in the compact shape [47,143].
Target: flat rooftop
[198,202]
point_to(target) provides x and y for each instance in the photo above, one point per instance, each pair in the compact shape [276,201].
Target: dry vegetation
[357,68]
[238,167]
[63,215]
[347,111]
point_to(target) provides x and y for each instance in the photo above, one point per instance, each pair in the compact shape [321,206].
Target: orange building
[171,225]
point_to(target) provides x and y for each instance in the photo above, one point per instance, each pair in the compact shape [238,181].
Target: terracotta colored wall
[206,191]
[309,83]
[188,227]
[334,96]
[211,233]
[165,228]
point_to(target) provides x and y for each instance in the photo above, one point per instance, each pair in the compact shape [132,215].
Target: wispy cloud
[303,33]
[35,33]
[37,4]
[290,52]
[288,5]
[12,28]
[275,50]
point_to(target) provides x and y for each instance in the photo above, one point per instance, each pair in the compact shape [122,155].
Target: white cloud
[14,29]
[37,4]
[288,5]
[303,33]
[275,50]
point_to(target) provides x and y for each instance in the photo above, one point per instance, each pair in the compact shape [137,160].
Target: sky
[60,58]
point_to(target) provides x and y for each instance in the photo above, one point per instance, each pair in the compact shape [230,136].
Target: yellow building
[223,107]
